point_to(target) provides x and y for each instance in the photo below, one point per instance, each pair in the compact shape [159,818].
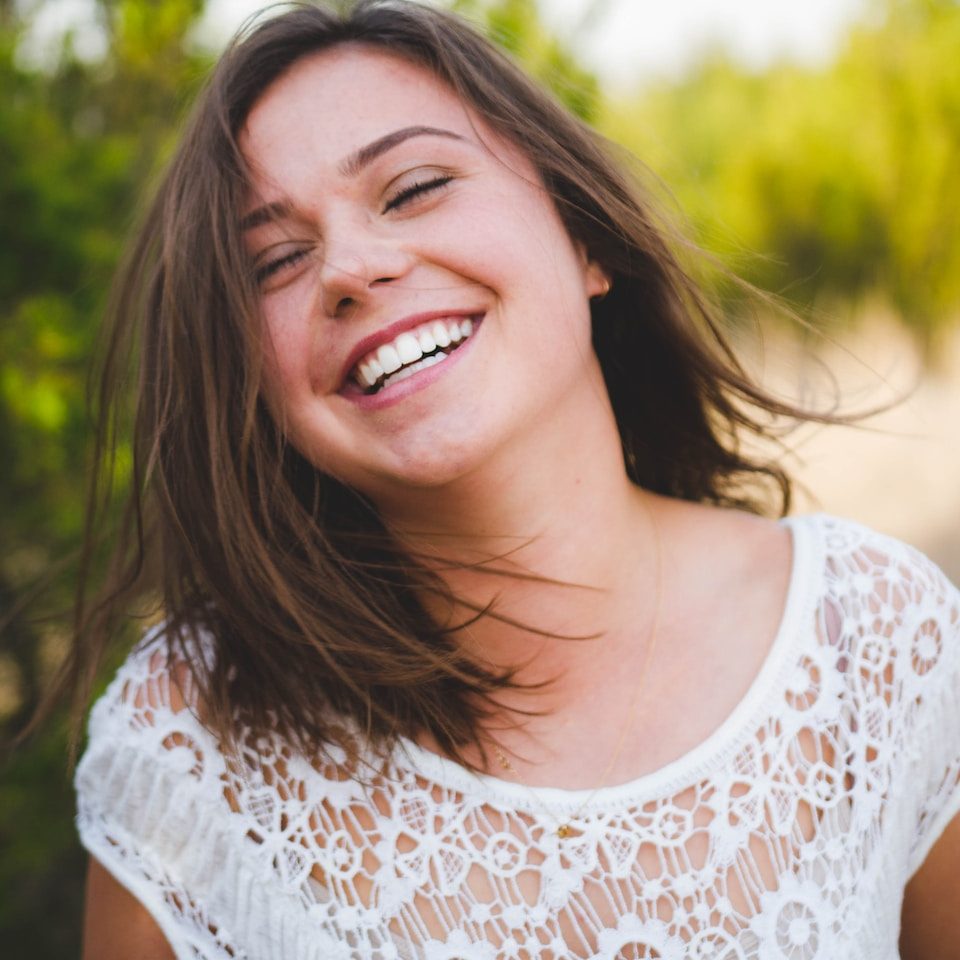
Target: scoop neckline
[695,763]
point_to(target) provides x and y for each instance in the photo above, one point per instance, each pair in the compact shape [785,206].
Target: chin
[437,468]
[433,467]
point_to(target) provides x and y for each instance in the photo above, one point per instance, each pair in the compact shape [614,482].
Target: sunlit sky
[631,38]
[636,38]
[642,37]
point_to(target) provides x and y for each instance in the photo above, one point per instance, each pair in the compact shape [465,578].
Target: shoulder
[893,618]
[150,797]
[733,570]
[154,684]
[190,828]
[889,625]
[145,726]
[873,612]
[743,548]
[873,575]
[879,600]
[846,568]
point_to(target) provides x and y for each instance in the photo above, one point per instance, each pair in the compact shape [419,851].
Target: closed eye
[268,269]
[416,190]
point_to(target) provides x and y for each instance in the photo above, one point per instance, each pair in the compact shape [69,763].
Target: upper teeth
[409,347]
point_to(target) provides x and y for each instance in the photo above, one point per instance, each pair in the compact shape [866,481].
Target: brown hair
[313,607]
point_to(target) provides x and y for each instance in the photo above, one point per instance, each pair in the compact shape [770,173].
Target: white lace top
[788,834]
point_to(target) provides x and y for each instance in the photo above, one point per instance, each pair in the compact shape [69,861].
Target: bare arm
[116,926]
[931,905]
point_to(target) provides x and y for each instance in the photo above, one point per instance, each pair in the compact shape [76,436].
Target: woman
[475,643]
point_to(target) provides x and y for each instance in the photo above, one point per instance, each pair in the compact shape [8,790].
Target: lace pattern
[790,833]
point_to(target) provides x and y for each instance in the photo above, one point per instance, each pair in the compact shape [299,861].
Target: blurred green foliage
[516,25]
[78,143]
[843,176]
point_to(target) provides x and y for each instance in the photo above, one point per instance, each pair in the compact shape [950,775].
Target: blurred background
[814,148]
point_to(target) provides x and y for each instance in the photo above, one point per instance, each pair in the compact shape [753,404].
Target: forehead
[332,102]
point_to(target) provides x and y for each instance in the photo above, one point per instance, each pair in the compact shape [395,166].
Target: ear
[596,280]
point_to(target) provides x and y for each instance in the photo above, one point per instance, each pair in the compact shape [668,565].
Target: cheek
[522,236]
[285,385]
[291,347]
[469,243]
[520,264]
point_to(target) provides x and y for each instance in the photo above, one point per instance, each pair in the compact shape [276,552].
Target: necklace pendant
[564,831]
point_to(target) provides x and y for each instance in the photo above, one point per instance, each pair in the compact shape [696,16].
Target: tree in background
[78,141]
[517,25]
[844,176]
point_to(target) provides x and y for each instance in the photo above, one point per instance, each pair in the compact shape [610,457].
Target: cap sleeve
[931,700]
[150,802]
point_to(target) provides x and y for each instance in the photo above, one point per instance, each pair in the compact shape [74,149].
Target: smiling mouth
[412,351]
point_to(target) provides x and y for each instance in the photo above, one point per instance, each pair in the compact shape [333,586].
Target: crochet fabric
[789,834]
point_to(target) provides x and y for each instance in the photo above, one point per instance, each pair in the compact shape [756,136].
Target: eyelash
[408,193]
[414,190]
[269,269]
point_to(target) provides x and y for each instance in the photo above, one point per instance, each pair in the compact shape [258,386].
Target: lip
[392,331]
[399,392]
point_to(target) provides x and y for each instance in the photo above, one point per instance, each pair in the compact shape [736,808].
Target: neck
[568,552]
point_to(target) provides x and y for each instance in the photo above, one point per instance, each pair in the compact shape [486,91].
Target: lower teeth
[429,361]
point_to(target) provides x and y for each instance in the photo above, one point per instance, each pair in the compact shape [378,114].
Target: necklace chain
[564,827]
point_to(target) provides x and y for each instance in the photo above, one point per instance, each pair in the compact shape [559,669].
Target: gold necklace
[564,828]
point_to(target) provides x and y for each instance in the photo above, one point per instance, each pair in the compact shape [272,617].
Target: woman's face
[387,225]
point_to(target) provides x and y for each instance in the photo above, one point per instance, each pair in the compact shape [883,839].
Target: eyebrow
[265,214]
[366,155]
[350,167]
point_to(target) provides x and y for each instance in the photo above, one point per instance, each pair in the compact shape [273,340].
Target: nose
[355,264]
